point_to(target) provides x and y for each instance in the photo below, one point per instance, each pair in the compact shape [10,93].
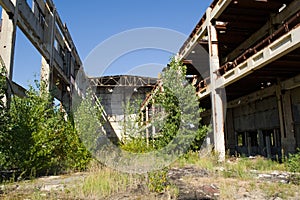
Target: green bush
[3,119]
[39,139]
[157,180]
[293,163]
[137,145]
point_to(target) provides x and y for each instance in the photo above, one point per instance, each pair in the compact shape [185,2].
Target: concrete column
[268,144]
[47,65]
[147,123]
[7,44]
[288,141]
[280,111]
[142,119]
[248,143]
[260,141]
[216,93]
[153,125]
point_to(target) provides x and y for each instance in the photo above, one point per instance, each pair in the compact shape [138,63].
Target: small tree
[180,103]
[179,122]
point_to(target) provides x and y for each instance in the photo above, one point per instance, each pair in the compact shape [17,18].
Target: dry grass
[103,182]
[234,178]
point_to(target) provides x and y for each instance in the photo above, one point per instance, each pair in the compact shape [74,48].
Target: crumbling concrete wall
[114,100]
[254,128]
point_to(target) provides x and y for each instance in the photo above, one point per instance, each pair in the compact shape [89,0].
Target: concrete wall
[114,99]
[254,128]
[295,97]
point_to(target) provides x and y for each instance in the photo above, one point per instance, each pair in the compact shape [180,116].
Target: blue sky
[93,22]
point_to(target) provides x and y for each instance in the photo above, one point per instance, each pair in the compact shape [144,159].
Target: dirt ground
[191,182]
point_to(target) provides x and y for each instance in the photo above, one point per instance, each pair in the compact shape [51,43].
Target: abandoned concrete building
[114,92]
[41,24]
[243,57]
[253,57]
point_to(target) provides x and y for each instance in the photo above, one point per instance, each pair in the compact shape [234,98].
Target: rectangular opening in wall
[30,3]
[258,57]
[281,43]
[27,62]
[273,135]
[254,138]
[241,139]
[243,66]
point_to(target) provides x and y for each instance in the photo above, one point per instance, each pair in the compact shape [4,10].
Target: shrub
[3,120]
[40,139]
[158,180]
[293,162]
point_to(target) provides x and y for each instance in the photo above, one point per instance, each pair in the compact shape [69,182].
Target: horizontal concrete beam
[277,19]
[277,49]
[8,6]
[202,30]
[18,90]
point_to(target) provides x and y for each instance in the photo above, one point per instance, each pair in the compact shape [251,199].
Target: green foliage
[87,118]
[136,145]
[39,139]
[103,182]
[177,125]
[131,121]
[293,162]
[180,104]
[158,180]
[179,118]
[3,118]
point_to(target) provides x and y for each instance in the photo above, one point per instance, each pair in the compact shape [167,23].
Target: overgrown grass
[236,176]
[202,160]
[260,190]
[242,168]
[103,182]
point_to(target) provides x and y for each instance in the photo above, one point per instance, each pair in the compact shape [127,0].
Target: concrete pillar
[216,93]
[47,65]
[248,143]
[280,111]
[153,125]
[268,144]
[142,118]
[147,123]
[288,140]
[7,44]
[260,141]
[46,74]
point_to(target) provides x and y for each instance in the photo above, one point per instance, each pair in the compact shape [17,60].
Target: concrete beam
[18,90]
[8,6]
[32,28]
[277,49]
[39,26]
[291,83]
[202,30]
[8,41]
[257,36]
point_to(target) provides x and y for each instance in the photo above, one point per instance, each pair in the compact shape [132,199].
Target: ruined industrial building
[243,57]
